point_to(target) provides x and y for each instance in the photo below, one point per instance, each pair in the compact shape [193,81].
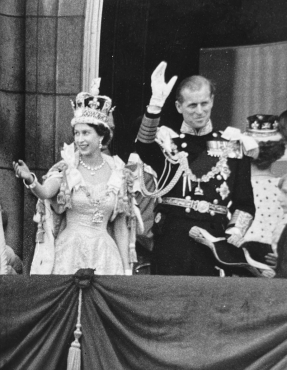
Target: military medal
[223,190]
[220,169]
[198,190]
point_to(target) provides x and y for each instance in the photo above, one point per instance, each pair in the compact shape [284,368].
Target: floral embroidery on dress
[74,229]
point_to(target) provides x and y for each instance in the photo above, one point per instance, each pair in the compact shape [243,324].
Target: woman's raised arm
[46,191]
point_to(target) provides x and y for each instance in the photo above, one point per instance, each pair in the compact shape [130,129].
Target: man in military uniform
[204,178]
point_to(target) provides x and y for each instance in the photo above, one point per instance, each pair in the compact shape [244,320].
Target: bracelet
[33,184]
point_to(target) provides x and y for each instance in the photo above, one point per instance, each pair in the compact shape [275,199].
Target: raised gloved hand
[160,89]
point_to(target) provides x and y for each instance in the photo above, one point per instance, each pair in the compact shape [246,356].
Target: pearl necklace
[92,169]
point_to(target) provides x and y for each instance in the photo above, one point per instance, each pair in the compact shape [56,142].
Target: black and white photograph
[143,185]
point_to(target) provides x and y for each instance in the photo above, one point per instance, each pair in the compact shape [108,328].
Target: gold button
[182,136]
[212,213]
[188,197]
[187,210]
[183,145]
[215,201]
[219,177]
[157,218]
[214,134]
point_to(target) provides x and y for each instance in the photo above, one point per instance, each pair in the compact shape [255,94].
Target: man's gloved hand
[235,238]
[160,89]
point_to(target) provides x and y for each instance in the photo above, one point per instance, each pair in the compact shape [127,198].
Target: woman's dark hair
[101,130]
[269,152]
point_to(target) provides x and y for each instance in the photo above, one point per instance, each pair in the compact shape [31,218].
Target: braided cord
[188,176]
[159,192]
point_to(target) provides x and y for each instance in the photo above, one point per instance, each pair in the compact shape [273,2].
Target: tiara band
[92,116]
[262,125]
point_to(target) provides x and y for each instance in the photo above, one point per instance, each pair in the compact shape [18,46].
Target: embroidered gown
[84,243]
[76,229]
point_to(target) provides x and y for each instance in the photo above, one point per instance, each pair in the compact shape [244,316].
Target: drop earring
[100,145]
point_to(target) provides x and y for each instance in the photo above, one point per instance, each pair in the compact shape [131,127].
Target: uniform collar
[186,129]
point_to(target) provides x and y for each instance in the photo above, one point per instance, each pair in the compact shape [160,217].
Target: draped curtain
[139,323]
[249,80]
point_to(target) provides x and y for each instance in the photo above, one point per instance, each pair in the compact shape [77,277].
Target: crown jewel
[262,125]
[91,107]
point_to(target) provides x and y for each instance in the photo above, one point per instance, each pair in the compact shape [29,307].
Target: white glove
[128,272]
[160,89]
[236,237]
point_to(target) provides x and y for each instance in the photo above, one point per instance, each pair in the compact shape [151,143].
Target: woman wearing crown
[269,218]
[86,212]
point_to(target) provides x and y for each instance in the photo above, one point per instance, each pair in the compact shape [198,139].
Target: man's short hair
[194,83]
[282,181]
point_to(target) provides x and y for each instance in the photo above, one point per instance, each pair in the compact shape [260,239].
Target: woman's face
[87,140]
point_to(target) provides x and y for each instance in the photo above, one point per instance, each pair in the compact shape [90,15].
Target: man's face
[196,106]
[283,197]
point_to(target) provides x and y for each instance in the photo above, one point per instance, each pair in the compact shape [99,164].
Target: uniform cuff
[241,220]
[148,129]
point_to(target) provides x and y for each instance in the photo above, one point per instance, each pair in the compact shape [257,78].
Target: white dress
[77,236]
[85,243]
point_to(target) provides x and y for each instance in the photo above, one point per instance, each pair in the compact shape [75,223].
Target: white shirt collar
[186,129]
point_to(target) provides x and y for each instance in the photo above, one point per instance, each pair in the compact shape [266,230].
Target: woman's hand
[22,171]
[46,191]
[268,273]
[271,259]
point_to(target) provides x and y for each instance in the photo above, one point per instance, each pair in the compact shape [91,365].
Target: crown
[262,125]
[91,107]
